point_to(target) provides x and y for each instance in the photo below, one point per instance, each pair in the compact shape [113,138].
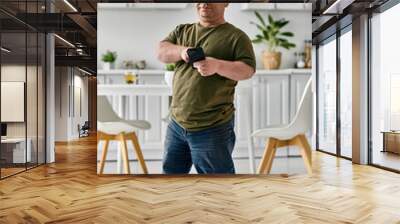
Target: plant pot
[169,77]
[272,60]
[108,66]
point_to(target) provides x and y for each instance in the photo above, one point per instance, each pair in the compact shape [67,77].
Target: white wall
[61,103]
[134,33]
[34,124]
[81,103]
[17,73]
[67,84]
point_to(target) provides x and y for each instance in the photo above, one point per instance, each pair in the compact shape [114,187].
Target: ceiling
[76,23]
[332,15]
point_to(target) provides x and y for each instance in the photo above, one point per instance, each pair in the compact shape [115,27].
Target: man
[201,132]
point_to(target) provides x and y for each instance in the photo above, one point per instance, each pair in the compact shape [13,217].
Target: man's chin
[206,18]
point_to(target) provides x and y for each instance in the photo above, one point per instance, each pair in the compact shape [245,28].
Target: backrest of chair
[302,121]
[86,125]
[105,112]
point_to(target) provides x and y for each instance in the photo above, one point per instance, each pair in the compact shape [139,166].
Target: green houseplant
[109,58]
[272,35]
[170,67]
[169,74]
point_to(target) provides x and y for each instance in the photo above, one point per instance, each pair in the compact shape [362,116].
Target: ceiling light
[5,50]
[86,72]
[337,7]
[80,51]
[70,5]
[64,40]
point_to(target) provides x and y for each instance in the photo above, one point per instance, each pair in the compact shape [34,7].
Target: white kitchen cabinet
[297,84]
[153,109]
[275,97]
[270,102]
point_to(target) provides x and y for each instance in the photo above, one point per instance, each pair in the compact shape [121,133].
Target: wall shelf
[277,6]
[135,71]
[143,6]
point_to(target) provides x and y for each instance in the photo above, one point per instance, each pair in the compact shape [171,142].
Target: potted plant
[272,35]
[169,74]
[109,58]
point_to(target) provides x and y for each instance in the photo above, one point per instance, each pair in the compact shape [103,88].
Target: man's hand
[235,70]
[184,54]
[207,67]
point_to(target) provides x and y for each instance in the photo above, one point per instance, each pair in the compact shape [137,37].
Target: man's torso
[200,102]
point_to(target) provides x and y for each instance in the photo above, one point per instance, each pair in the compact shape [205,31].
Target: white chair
[111,127]
[291,134]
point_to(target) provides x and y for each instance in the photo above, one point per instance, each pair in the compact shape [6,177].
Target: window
[327,97]
[346,94]
[385,89]
[22,77]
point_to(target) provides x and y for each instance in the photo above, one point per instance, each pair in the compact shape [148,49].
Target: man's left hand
[208,66]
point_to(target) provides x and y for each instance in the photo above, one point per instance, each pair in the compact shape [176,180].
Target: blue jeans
[209,150]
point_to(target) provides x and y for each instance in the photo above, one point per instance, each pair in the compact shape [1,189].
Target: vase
[108,65]
[272,60]
[169,77]
[130,78]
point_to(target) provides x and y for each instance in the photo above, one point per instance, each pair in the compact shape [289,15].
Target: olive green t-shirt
[201,102]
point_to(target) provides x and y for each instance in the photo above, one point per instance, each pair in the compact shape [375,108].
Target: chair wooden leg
[269,163]
[305,151]
[267,156]
[124,149]
[103,156]
[138,151]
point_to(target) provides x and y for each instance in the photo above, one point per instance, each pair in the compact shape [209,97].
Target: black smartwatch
[195,54]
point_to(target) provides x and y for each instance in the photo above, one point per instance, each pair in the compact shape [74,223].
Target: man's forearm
[235,70]
[169,53]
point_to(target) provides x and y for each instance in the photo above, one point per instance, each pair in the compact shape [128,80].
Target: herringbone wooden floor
[70,191]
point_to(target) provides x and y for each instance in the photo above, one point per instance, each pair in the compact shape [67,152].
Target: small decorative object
[169,74]
[307,52]
[272,35]
[109,58]
[130,77]
[300,60]
[140,64]
[128,64]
